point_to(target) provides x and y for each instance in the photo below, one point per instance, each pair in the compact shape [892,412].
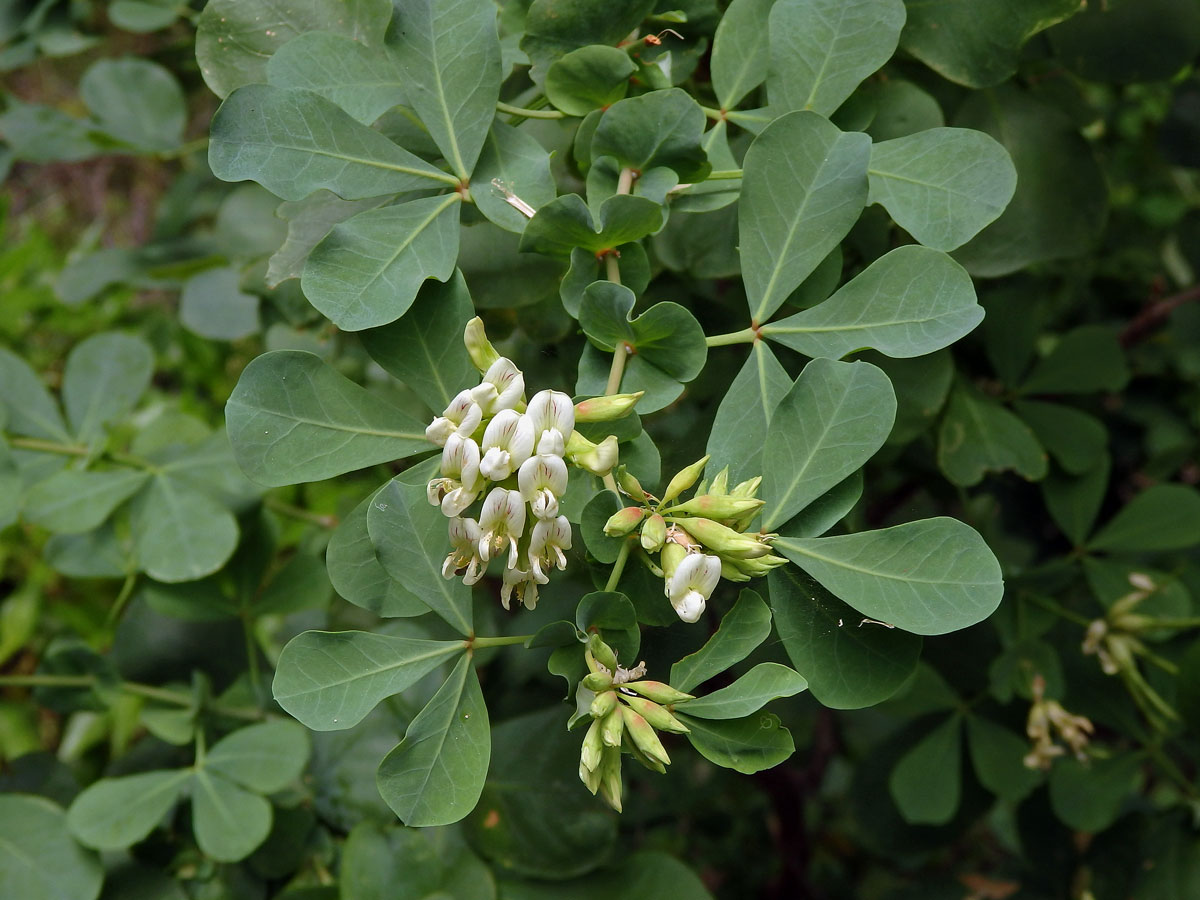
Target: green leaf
[424,348]
[909,302]
[308,221]
[98,553]
[229,822]
[330,680]
[1128,42]
[932,576]
[661,128]
[586,268]
[1075,439]
[319,425]
[411,544]
[762,684]
[566,223]
[1162,517]
[213,305]
[997,755]
[716,193]
[105,376]
[848,664]
[827,510]
[1089,796]
[922,384]
[31,410]
[297,142]
[943,185]
[739,52]
[830,423]
[612,616]
[976,42]
[978,435]
[1086,359]
[645,873]
[436,774]
[742,629]
[804,183]
[1074,501]
[454,92]
[512,163]
[740,427]
[666,336]
[746,745]
[180,532]
[927,782]
[661,390]
[821,50]
[142,16]
[593,77]
[135,101]
[72,502]
[398,863]
[236,38]
[38,858]
[368,269]
[365,82]
[591,527]
[554,28]
[114,813]
[902,109]
[263,758]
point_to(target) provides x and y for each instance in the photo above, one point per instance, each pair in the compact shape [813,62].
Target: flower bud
[644,737]
[605,409]
[658,692]
[683,480]
[630,485]
[597,681]
[725,540]
[602,704]
[654,714]
[602,653]
[595,458]
[612,725]
[593,748]
[718,506]
[753,568]
[624,521]
[720,484]
[479,348]
[652,764]
[610,778]
[730,572]
[672,555]
[654,533]
[747,488]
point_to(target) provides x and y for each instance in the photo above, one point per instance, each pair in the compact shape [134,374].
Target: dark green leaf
[554,28]
[739,53]
[1162,517]
[566,223]
[997,755]
[1074,501]
[229,822]
[927,781]
[1075,439]
[666,336]
[740,428]
[512,164]
[1086,359]
[827,510]
[1088,796]
[762,684]
[661,128]
[747,745]
[399,863]
[612,616]
[742,629]
[593,77]
[1149,40]
[978,435]
[308,221]
[364,81]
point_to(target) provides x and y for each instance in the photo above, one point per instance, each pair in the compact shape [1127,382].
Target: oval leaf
[762,684]
[114,813]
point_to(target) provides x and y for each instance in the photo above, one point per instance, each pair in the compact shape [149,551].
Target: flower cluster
[1048,718]
[625,711]
[699,540]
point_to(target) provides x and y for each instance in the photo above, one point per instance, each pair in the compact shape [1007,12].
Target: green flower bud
[644,737]
[683,480]
[602,704]
[631,485]
[754,568]
[652,764]
[605,409]
[479,348]
[595,458]
[610,778]
[654,714]
[592,750]
[601,653]
[747,488]
[597,681]
[720,484]
[730,572]
[658,692]
[612,725]
[672,555]
[718,506]
[654,533]
[624,521]
[725,541]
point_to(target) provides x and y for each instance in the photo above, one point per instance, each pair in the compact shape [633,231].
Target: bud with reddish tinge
[725,540]
[644,736]
[606,409]
[624,521]
[658,692]
[718,506]
[654,714]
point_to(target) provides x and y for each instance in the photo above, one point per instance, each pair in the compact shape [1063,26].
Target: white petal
[690,606]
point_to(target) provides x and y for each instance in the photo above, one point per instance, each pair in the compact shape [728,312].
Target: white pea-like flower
[542,480]
[461,417]
[546,545]
[461,481]
[502,523]
[691,584]
[464,552]
[507,442]
[553,417]
[502,387]
[523,583]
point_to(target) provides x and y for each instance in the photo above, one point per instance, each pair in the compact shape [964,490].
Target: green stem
[617,369]
[1059,611]
[715,114]
[296,512]
[1192,622]
[184,149]
[42,446]
[122,597]
[529,113]
[612,268]
[745,336]
[252,660]
[618,566]
[129,687]
[504,641]
[724,175]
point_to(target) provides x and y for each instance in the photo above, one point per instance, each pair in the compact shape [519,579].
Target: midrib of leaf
[457,161]
[345,157]
[330,425]
[440,734]
[877,573]
[447,648]
[941,186]
[413,235]
[812,94]
[209,788]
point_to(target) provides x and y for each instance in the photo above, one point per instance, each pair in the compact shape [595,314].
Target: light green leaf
[739,52]
[180,532]
[513,163]
[236,38]
[746,745]
[114,813]
[38,858]
[365,82]
[105,377]
[297,142]
[821,50]
[436,774]
[932,576]
[927,782]
[742,629]
[263,758]
[98,553]
[592,77]
[762,684]
[135,101]
[943,185]
[229,822]
[661,128]
[997,755]
[978,435]
[213,305]
[331,680]
[566,223]
[830,423]
[308,221]
[848,664]
[142,16]
[317,425]
[71,502]
[666,336]
[31,410]
[740,427]
[909,302]
[449,51]
[411,544]
[804,183]
[715,193]
[1162,517]
[1086,359]
[368,269]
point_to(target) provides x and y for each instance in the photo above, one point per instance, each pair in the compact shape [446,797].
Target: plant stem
[1059,611]
[295,512]
[503,641]
[129,687]
[1192,622]
[618,566]
[42,446]
[716,115]
[617,369]
[528,113]
[122,597]
[612,268]
[252,660]
[745,336]
[724,175]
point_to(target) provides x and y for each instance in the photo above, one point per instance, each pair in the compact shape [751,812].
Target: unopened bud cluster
[627,714]
[1049,723]
[512,455]
[698,540]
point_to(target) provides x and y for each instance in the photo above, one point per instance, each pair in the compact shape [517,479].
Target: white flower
[691,584]
[507,442]
[546,545]
[520,580]
[543,479]
[464,543]
[462,417]
[461,482]
[501,388]
[553,416]
[502,523]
